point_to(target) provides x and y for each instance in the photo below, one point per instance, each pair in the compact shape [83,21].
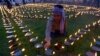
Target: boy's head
[58,12]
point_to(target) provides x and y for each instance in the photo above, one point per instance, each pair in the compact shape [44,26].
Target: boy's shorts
[57,34]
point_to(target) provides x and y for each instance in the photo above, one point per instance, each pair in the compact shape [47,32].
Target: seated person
[56,25]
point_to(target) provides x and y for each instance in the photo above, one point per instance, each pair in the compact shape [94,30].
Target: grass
[38,25]
[4,50]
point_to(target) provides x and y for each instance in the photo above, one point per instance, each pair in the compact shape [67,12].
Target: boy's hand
[47,43]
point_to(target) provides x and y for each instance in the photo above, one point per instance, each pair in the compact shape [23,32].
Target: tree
[8,4]
[24,2]
[97,3]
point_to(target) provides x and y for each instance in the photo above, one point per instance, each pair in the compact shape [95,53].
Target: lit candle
[76,33]
[94,23]
[62,47]
[91,44]
[94,39]
[23,49]
[10,46]
[89,25]
[12,52]
[25,55]
[53,52]
[88,29]
[79,54]
[65,40]
[19,44]
[81,35]
[70,36]
[17,39]
[58,46]
[84,32]
[99,37]
[9,41]
[86,26]
[78,30]
[77,38]
[98,21]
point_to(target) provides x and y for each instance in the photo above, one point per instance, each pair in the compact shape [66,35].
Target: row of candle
[94,48]
[15,45]
[77,35]
[29,34]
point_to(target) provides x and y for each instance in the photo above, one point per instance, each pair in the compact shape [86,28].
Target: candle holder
[48,52]
[38,47]
[34,40]
[25,30]
[8,26]
[9,29]
[67,43]
[11,36]
[17,52]
[28,34]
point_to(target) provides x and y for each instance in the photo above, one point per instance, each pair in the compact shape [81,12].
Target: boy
[56,25]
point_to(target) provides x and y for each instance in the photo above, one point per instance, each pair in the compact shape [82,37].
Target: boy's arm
[48,30]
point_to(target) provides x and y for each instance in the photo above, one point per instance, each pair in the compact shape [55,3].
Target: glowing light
[15,35]
[72,43]
[10,47]
[45,49]
[33,39]
[76,33]
[65,40]
[23,49]
[94,23]
[53,52]
[98,21]
[95,53]
[56,44]
[62,47]
[79,54]
[77,38]
[17,39]
[88,29]
[29,30]
[99,37]
[89,25]
[25,55]
[78,30]
[94,39]
[19,43]
[12,52]
[70,36]
[81,35]
[10,41]
[86,26]
[32,32]
[91,45]
[84,32]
